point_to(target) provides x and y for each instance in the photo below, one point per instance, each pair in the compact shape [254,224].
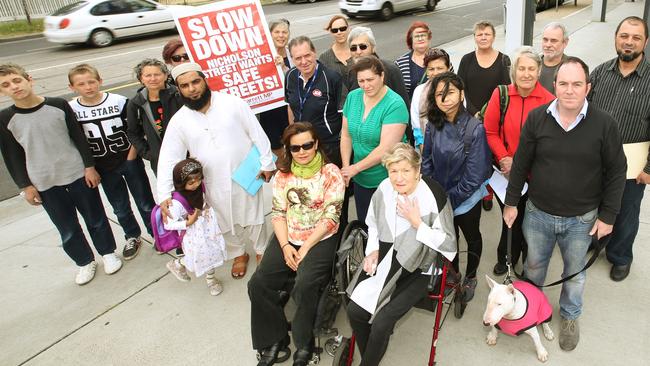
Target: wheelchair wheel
[342,352]
[354,257]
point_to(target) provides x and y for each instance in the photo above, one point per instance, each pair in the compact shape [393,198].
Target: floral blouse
[306,203]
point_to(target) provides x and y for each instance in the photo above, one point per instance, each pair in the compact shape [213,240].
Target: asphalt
[143,316]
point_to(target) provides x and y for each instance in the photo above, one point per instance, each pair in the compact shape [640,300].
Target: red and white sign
[232,43]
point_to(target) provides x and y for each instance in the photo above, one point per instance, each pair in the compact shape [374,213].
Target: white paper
[637,156]
[499,184]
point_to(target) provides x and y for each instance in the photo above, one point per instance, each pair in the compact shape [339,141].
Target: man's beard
[627,57]
[197,104]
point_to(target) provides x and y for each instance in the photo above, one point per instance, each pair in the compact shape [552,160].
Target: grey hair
[401,152]
[525,51]
[558,25]
[137,70]
[275,23]
[359,31]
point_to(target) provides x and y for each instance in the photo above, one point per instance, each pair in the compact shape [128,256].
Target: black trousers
[268,321]
[372,339]
[469,223]
[519,245]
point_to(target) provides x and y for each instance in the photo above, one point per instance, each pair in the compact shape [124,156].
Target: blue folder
[246,173]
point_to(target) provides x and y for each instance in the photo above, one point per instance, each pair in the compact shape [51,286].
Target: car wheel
[292,1]
[541,5]
[386,12]
[431,4]
[101,38]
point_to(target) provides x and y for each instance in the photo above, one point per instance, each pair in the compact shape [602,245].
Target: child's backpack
[166,240]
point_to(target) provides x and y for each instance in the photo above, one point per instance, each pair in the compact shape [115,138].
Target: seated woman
[409,219]
[457,156]
[307,198]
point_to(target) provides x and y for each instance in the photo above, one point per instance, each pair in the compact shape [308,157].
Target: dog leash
[598,245]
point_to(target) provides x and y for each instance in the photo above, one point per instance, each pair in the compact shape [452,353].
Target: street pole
[646,17]
[598,9]
[514,25]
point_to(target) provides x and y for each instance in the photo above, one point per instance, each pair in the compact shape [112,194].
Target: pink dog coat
[538,310]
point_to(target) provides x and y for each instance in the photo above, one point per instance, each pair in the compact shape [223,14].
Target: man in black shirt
[573,154]
[621,87]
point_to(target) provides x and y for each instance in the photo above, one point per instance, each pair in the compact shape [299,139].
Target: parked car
[381,8]
[100,22]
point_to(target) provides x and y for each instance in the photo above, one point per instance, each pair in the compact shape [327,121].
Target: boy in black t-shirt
[48,157]
[103,119]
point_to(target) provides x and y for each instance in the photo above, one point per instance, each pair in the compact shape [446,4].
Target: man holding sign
[219,130]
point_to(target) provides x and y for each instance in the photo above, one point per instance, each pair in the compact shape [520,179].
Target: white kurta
[220,139]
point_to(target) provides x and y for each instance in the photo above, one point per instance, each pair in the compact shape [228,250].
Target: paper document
[246,173]
[499,184]
[637,157]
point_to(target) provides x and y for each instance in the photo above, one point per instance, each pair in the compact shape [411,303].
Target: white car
[383,9]
[100,22]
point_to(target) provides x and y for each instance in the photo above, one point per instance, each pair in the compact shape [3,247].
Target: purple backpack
[166,240]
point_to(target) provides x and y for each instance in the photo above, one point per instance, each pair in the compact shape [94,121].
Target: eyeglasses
[305,146]
[361,46]
[340,29]
[179,58]
[419,36]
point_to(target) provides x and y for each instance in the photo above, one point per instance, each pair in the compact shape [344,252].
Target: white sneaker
[86,273]
[112,263]
[178,270]
[214,286]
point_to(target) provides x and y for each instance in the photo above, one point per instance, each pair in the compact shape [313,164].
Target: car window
[110,8]
[70,8]
[140,6]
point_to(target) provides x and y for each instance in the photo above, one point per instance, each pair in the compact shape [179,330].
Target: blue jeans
[62,203]
[619,248]
[130,173]
[542,231]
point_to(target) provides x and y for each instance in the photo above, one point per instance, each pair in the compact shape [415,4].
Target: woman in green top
[374,119]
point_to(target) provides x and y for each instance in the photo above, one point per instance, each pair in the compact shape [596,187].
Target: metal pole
[529,21]
[646,17]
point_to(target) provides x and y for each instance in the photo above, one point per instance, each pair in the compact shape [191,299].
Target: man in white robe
[218,130]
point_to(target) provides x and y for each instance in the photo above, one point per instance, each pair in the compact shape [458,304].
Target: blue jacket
[444,158]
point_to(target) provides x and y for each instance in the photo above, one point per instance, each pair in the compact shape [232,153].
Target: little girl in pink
[203,244]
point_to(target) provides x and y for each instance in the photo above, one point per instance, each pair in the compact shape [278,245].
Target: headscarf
[182,171]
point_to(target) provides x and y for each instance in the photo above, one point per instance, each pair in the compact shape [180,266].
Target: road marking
[578,11]
[448,8]
[121,87]
[93,59]
[42,49]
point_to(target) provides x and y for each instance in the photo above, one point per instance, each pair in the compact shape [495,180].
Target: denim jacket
[444,158]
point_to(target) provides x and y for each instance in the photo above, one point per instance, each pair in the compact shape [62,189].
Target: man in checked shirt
[621,87]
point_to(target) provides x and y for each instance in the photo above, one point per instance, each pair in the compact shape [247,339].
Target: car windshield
[71,8]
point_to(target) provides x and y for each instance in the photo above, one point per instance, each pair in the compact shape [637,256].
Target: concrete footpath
[143,316]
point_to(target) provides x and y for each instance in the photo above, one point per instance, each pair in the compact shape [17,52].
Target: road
[48,63]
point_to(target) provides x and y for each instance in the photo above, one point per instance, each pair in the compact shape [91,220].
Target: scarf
[308,170]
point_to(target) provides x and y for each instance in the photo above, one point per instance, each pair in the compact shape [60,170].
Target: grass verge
[20,27]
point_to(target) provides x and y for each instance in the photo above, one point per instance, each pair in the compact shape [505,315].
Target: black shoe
[179,252]
[619,273]
[487,205]
[277,353]
[302,357]
[500,269]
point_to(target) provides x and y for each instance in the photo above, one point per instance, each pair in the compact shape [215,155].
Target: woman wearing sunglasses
[374,119]
[174,53]
[411,64]
[307,198]
[274,121]
[337,57]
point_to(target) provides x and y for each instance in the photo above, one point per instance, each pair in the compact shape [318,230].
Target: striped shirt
[627,99]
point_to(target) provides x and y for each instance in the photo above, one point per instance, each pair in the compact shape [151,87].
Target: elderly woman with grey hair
[525,93]
[150,110]
[362,43]
[410,221]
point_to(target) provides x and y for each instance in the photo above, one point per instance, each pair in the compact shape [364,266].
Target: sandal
[239,266]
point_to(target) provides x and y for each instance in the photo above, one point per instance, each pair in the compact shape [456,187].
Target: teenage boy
[103,119]
[48,157]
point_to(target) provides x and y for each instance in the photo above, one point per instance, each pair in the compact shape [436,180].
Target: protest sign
[231,41]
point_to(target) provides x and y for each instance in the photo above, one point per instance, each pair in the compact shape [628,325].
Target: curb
[21,38]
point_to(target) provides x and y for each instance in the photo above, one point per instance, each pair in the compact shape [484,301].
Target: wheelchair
[350,258]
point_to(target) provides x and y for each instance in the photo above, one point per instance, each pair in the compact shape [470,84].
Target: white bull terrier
[515,309]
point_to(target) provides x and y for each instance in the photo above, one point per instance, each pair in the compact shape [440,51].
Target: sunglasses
[305,146]
[340,29]
[179,58]
[361,46]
